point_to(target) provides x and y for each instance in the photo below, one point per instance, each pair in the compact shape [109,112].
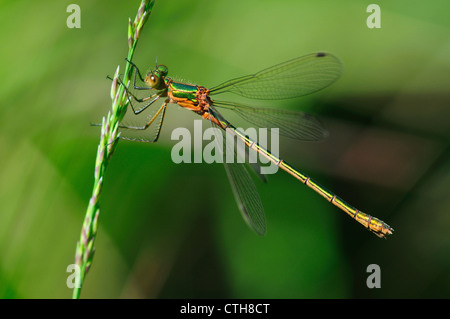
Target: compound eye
[152,80]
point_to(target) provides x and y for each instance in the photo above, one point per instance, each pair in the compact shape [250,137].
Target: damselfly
[294,78]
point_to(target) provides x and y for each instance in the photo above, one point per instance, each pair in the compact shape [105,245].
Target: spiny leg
[140,76]
[161,109]
[137,69]
[152,98]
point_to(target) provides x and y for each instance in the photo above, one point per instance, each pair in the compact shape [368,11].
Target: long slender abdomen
[375,225]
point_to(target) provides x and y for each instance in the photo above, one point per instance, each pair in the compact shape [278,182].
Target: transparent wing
[294,78]
[243,187]
[292,124]
[246,196]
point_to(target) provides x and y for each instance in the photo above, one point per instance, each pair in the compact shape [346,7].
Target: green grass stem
[108,140]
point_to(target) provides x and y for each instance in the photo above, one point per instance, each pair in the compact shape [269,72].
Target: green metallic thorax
[182,90]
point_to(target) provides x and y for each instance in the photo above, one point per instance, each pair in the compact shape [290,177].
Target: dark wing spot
[320,54]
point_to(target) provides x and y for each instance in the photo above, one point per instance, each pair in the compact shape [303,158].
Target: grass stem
[108,140]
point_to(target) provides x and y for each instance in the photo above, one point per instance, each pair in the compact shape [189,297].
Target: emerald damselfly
[294,78]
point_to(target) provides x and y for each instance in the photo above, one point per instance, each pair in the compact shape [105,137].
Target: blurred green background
[173,230]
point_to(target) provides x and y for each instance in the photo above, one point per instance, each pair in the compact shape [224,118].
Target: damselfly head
[155,78]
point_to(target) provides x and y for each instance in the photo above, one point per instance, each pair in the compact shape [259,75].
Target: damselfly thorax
[192,97]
